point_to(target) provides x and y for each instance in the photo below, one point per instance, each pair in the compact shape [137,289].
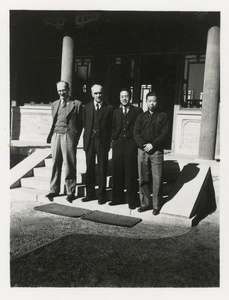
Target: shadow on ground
[90,260]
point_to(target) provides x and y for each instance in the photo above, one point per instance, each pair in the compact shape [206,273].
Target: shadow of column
[15,122]
[189,172]
[206,202]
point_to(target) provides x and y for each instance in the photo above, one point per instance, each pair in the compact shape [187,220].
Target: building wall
[187,131]
[36,56]
[31,123]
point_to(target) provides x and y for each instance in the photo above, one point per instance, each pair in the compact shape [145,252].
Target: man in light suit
[64,136]
[125,152]
[97,120]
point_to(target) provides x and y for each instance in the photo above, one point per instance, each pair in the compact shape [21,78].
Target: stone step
[28,193]
[167,187]
[80,158]
[42,172]
[80,153]
[81,192]
[39,183]
[170,175]
[109,181]
[26,166]
[41,180]
[81,188]
[23,194]
[81,178]
[48,162]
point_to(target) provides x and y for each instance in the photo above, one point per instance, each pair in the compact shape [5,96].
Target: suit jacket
[130,118]
[151,129]
[74,119]
[105,124]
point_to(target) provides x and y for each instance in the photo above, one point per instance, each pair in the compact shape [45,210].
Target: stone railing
[31,122]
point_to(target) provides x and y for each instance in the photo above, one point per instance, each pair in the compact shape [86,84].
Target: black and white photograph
[115,150]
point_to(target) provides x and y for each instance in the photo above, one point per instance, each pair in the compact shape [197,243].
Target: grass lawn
[97,256]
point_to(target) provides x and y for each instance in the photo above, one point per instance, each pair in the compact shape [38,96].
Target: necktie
[97,107]
[125,111]
[63,103]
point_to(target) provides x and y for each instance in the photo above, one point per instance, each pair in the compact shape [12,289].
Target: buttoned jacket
[117,125]
[105,124]
[74,122]
[151,129]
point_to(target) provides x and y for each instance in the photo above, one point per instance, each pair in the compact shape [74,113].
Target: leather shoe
[132,206]
[86,199]
[156,212]
[70,198]
[114,203]
[50,196]
[142,209]
[101,202]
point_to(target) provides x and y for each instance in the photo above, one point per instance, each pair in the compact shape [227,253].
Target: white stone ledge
[189,111]
[41,109]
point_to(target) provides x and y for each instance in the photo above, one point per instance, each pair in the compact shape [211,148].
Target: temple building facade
[175,53]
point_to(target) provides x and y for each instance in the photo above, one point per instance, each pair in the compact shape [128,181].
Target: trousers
[150,168]
[96,172]
[63,149]
[125,171]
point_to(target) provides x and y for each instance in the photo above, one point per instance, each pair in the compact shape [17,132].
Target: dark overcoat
[105,124]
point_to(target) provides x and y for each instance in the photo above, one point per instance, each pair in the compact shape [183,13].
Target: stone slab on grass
[192,193]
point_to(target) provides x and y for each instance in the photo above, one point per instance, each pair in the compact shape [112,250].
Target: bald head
[97,92]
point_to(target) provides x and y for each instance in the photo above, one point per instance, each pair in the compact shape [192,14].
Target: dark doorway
[121,76]
[158,73]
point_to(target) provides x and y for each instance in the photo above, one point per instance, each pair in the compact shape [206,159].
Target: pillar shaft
[67,64]
[210,103]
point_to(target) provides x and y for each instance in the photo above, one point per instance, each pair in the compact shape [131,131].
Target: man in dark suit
[97,120]
[64,136]
[125,151]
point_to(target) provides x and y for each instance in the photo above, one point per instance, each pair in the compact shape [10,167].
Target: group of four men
[137,139]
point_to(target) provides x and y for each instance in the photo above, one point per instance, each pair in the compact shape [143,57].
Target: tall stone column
[210,103]
[67,63]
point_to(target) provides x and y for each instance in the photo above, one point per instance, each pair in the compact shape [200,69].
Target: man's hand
[147,147]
